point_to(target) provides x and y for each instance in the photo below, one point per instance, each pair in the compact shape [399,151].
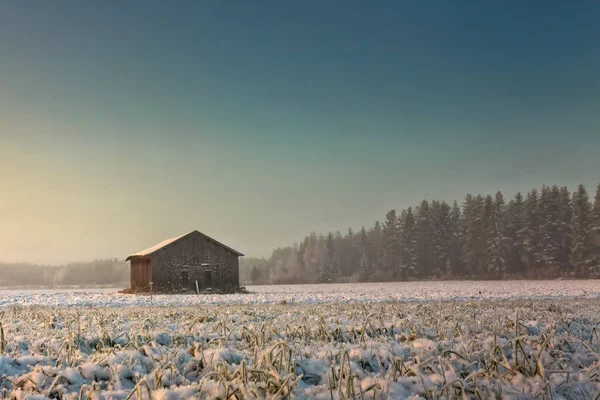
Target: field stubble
[536,349]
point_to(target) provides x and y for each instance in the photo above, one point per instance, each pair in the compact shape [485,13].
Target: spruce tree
[455,264]
[348,253]
[366,269]
[442,236]
[313,257]
[596,211]
[391,245]
[409,244]
[375,246]
[596,227]
[494,259]
[363,239]
[499,206]
[474,235]
[549,230]
[301,251]
[530,235]
[330,269]
[469,234]
[515,232]
[425,254]
[500,219]
[582,256]
[366,274]
[565,216]
[339,248]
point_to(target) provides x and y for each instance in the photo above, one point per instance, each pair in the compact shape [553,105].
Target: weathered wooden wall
[189,253]
[141,274]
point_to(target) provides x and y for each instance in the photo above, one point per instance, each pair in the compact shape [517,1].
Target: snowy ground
[421,340]
[319,294]
[529,349]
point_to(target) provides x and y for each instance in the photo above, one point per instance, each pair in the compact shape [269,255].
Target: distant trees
[98,272]
[543,233]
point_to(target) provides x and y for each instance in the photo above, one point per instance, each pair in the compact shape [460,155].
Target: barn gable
[159,246]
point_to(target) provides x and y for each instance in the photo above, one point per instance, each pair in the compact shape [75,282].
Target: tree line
[546,233]
[107,272]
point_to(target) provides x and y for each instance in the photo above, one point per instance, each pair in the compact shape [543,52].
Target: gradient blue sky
[124,123]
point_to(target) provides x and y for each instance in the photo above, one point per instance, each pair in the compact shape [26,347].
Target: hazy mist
[115,135]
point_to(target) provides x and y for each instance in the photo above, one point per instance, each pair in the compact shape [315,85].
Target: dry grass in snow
[530,349]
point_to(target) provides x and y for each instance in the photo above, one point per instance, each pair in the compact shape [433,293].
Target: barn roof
[151,250]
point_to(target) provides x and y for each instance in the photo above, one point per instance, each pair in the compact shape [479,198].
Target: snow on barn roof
[156,247]
[165,243]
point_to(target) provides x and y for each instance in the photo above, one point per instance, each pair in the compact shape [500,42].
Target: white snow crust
[318,294]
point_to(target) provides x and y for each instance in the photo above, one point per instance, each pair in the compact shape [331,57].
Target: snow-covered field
[313,294]
[361,350]
[347,343]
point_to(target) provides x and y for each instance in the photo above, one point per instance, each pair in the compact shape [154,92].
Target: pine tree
[313,258]
[494,259]
[595,233]
[469,253]
[391,246]
[348,253]
[516,226]
[366,268]
[499,205]
[401,273]
[375,246]
[364,239]
[549,238]
[442,236]
[425,254]
[474,239]
[301,251]
[530,235]
[455,263]
[330,268]
[596,225]
[565,216]
[582,256]
[500,218]
[409,244]
[339,250]
[333,257]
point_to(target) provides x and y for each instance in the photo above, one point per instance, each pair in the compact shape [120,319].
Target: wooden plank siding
[141,274]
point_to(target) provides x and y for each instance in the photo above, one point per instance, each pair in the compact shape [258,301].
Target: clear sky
[256,122]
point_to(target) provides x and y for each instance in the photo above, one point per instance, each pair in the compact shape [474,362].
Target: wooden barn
[186,264]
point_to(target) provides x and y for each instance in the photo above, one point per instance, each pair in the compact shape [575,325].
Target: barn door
[185,278]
